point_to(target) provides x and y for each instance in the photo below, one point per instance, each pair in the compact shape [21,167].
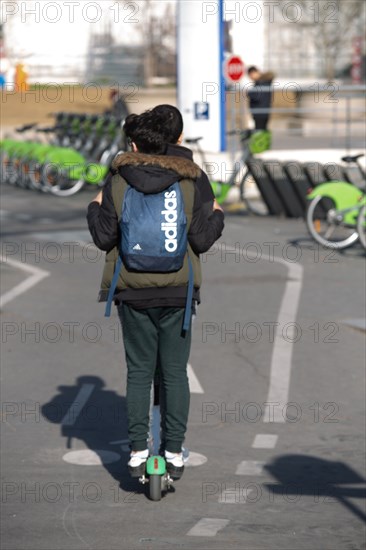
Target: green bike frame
[347,198]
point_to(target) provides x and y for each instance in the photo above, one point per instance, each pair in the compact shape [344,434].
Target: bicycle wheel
[58,183]
[361,226]
[4,168]
[10,171]
[24,168]
[250,195]
[155,487]
[325,224]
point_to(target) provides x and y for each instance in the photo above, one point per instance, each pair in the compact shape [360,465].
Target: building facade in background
[111,41]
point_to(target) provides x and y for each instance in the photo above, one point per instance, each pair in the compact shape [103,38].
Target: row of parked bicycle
[79,149]
[75,151]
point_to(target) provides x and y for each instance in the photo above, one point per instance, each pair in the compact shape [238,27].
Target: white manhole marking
[88,457]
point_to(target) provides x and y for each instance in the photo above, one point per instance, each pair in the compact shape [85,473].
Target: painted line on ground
[207,527]
[359,324]
[281,361]
[37,275]
[81,237]
[250,468]
[194,385]
[234,496]
[265,441]
[89,457]
[194,459]
[79,402]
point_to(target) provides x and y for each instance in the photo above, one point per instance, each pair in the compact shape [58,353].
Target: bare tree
[157,30]
[331,26]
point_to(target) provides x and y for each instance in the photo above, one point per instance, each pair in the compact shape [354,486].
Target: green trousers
[154,336]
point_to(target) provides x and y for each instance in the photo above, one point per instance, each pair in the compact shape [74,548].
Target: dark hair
[252,68]
[146,131]
[173,121]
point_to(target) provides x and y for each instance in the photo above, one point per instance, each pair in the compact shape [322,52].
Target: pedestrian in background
[259,96]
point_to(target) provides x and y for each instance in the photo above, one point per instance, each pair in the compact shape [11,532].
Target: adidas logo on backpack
[169,226]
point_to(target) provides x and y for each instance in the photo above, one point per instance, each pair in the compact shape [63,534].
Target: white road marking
[281,361]
[80,400]
[194,385]
[37,275]
[82,237]
[234,496]
[265,441]
[195,459]
[250,468]
[207,527]
[280,371]
[359,324]
[87,457]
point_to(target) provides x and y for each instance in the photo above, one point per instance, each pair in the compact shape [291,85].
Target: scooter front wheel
[155,487]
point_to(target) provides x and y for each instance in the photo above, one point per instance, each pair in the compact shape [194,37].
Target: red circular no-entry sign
[234,68]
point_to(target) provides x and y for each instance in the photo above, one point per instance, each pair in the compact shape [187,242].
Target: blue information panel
[201,110]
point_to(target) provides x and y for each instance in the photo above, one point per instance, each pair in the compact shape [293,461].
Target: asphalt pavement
[277,371]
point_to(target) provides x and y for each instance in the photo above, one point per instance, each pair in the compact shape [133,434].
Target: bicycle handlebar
[193,140]
[46,130]
[26,127]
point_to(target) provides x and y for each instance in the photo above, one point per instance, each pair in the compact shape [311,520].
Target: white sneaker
[174,464]
[136,464]
[174,458]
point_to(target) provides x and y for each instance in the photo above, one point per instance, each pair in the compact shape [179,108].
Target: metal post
[348,123]
[335,125]
[233,126]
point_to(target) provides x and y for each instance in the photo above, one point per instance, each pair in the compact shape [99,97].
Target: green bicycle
[335,216]
[252,142]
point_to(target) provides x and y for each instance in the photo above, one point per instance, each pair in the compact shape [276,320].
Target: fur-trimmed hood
[154,173]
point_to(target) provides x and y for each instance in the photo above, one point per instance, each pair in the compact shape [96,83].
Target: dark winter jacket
[259,98]
[152,174]
[202,182]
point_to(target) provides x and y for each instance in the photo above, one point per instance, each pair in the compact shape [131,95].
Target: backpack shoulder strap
[187,189]
[119,188]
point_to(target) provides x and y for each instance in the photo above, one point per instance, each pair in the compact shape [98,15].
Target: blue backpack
[153,238]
